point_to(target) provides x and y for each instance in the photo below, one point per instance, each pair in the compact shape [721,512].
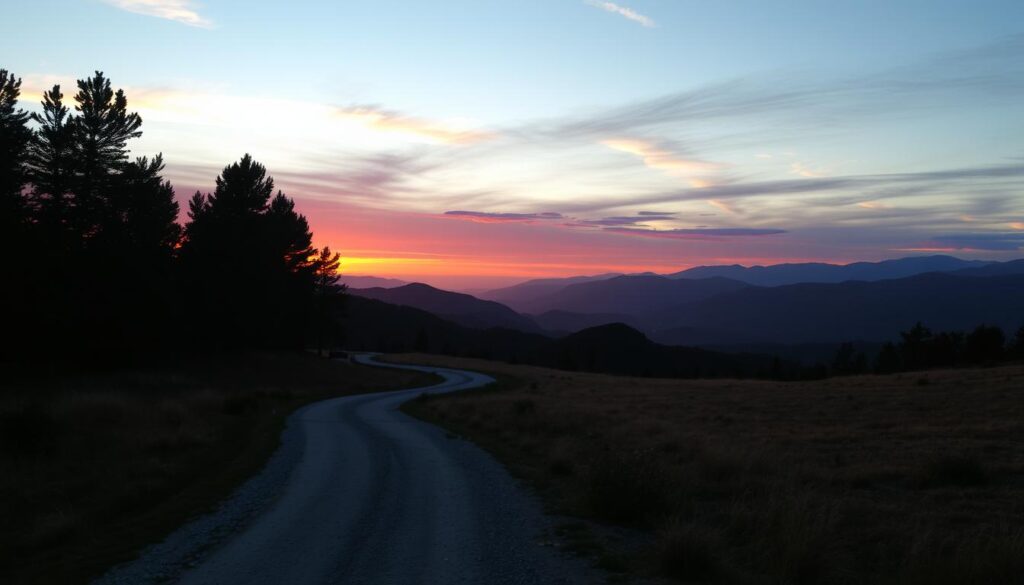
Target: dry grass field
[913,479]
[96,465]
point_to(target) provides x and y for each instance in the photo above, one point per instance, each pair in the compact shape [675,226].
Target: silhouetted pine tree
[15,251]
[101,132]
[14,138]
[247,259]
[51,161]
[328,294]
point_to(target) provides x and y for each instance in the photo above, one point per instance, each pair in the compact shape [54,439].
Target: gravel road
[359,492]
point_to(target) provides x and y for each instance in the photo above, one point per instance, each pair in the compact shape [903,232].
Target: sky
[475,143]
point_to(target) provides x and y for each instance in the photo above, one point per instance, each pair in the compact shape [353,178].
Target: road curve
[360,492]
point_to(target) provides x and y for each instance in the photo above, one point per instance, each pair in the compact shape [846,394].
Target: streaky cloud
[663,159]
[815,185]
[695,233]
[995,70]
[379,118]
[183,11]
[486,217]
[624,12]
[993,242]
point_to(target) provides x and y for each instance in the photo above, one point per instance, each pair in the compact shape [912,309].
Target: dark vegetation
[96,465]
[906,479]
[99,270]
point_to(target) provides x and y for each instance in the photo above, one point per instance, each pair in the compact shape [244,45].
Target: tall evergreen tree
[328,291]
[15,251]
[147,208]
[101,132]
[247,259]
[51,159]
[14,138]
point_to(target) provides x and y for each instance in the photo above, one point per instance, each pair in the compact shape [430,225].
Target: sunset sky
[475,143]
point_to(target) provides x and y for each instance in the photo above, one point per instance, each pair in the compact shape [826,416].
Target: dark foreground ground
[908,479]
[96,465]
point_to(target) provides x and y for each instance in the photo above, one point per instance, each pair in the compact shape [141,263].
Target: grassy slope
[97,465]
[911,479]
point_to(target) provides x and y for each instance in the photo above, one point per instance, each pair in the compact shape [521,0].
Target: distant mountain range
[528,296]
[565,322]
[370,282]
[460,308]
[375,325]
[533,289]
[854,310]
[630,295]
[783,274]
[800,321]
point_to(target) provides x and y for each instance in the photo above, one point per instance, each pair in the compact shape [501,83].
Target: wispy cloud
[802,169]
[876,205]
[486,217]
[623,12]
[995,242]
[723,206]
[627,225]
[695,233]
[639,220]
[929,181]
[385,120]
[663,159]
[183,11]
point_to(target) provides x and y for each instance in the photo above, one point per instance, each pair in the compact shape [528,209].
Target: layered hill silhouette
[856,310]
[565,322]
[631,295]
[460,308]
[354,281]
[375,325]
[803,320]
[818,272]
[526,297]
[517,296]
[994,269]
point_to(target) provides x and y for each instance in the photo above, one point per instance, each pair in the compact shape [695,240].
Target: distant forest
[97,265]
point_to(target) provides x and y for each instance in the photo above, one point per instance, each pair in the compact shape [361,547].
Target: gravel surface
[360,492]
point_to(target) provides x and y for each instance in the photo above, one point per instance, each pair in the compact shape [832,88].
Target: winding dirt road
[360,492]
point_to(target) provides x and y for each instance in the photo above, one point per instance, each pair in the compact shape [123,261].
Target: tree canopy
[101,264]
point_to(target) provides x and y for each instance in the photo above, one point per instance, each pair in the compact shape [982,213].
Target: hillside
[355,281]
[520,295]
[378,326]
[631,295]
[817,272]
[457,307]
[558,321]
[868,311]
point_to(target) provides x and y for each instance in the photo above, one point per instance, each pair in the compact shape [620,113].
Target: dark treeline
[919,348]
[98,265]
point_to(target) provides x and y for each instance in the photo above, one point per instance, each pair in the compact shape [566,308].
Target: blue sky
[809,130]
